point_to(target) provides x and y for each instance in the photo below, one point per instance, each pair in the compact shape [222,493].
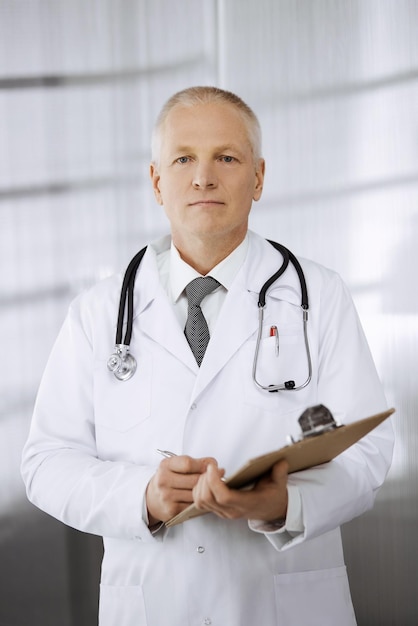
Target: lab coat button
[207,621]
[193,406]
[201,549]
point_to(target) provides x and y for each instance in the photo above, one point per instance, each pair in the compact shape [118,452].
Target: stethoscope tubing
[127,291]
[287,256]
[123,364]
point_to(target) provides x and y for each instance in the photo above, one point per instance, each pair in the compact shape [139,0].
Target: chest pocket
[122,405]
[280,359]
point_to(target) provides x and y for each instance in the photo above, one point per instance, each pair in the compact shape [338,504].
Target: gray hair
[204,95]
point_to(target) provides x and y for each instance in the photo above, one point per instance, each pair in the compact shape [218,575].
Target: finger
[277,474]
[165,501]
[181,471]
[184,464]
[280,471]
[210,492]
[180,496]
[166,480]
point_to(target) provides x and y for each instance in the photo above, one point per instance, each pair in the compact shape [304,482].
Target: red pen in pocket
[275,333]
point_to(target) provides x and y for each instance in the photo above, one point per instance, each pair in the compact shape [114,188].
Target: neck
[204,254]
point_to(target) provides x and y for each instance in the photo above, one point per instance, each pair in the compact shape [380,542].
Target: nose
[204,176]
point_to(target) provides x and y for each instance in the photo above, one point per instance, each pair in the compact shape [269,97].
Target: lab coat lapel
[159,322]
[154,314]
[237,321]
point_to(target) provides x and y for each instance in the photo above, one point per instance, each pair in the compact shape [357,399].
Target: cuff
[293,524]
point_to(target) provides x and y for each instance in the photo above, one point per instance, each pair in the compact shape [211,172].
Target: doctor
[271,556]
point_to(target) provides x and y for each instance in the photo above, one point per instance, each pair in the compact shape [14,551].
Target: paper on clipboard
[300,455]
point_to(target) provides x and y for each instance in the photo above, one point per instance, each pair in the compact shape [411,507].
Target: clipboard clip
[315,421]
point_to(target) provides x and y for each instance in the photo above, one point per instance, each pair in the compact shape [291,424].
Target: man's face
[207,177]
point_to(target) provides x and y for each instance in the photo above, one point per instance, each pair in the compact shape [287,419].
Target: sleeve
[60,466]
[334,493]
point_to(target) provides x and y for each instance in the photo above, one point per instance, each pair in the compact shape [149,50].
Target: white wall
[335,84]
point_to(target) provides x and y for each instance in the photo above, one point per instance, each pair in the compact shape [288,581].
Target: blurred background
[335,85]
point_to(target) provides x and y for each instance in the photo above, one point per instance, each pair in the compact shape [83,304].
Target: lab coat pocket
[121,606]
[314,598]
[280,359]
[121,405]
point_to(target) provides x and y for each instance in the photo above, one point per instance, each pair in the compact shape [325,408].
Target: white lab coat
[93,440]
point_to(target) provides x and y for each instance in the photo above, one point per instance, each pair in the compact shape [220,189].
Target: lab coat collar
[147,282]
[224,272]
[153,312]
[262,261]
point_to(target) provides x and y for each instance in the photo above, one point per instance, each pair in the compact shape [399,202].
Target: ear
[259,179]
[155,179]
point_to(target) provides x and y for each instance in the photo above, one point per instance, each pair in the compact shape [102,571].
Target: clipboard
[300,455]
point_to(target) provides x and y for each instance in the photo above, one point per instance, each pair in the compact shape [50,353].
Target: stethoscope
[123,365]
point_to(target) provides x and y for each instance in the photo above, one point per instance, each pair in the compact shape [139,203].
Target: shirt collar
[181,273]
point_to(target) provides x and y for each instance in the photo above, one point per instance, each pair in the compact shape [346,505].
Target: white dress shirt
[176,274]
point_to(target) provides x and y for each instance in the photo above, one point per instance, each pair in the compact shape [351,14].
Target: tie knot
[199,288]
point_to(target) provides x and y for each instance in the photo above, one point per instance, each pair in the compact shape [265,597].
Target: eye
[227,159]
[183,159]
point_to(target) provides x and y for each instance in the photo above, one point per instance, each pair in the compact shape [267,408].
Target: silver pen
[166,453]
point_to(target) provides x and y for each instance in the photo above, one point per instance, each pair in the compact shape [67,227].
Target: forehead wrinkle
[215,149]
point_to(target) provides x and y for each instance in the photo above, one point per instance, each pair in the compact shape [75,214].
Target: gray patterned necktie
[196,329]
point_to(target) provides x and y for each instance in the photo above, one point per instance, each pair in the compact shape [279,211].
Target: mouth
[206,203]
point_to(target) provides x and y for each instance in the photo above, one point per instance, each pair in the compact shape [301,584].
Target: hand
[170,489]
[266,501]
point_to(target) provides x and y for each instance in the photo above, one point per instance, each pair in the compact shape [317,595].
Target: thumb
[280,471]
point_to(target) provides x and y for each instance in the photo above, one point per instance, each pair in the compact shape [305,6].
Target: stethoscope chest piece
[121,363]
